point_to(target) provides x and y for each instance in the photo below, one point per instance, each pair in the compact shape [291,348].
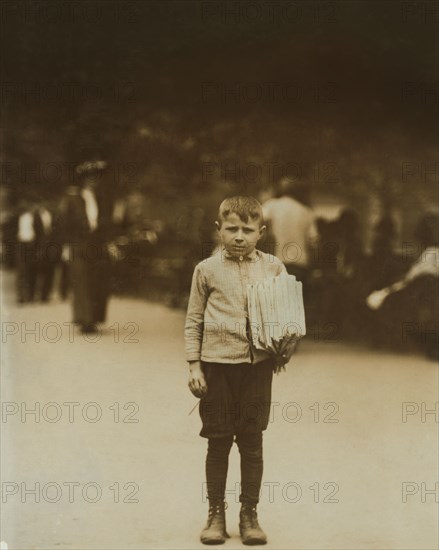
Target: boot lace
[250,516]
[216,510]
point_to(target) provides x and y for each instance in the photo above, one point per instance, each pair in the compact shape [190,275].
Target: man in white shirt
[26,252]
[292,224]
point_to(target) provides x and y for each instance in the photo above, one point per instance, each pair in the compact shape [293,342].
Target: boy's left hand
[281,360]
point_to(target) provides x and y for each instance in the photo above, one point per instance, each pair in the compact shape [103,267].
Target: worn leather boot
[215,530]
[249,529]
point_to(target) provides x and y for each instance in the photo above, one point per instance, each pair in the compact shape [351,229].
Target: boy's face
[238,237]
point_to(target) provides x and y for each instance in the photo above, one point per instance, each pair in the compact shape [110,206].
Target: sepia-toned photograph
[219,264]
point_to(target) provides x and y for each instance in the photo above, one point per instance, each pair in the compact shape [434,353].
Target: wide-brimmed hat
[91,166]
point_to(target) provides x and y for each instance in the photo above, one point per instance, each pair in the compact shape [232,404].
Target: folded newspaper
[276,316]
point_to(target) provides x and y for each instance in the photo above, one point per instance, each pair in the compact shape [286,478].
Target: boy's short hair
[243,206]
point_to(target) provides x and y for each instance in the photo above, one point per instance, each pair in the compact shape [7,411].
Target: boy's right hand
[197,382]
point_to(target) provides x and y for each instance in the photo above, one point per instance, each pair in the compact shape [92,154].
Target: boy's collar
[248,257]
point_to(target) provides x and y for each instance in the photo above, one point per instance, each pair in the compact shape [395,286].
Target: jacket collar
[252,257]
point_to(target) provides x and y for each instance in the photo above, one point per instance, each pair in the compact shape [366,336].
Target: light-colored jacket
[216,327]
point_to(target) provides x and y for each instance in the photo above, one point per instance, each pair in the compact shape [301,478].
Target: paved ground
[340,461]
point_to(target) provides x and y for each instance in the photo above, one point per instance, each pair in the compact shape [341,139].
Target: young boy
[232,379]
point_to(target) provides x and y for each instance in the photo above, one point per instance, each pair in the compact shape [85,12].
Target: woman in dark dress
[87,230]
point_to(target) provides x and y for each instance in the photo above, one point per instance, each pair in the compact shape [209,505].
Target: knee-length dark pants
[237,405]
[238,398]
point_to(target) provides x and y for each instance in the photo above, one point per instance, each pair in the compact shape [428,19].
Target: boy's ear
[262,230]
[217,225]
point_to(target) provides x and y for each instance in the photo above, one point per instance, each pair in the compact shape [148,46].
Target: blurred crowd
[85,244]
[385,298]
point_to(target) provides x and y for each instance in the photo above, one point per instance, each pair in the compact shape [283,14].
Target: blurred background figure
[48,251]
[291,223]
[337,273]
[350,268]
[138,237]
[349,246]
[27,244]
[87,230]
[8,230]
[189,234]
[384,264]
[408,309]
[293,233]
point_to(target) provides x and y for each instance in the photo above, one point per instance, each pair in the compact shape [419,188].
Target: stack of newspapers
[276,315]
